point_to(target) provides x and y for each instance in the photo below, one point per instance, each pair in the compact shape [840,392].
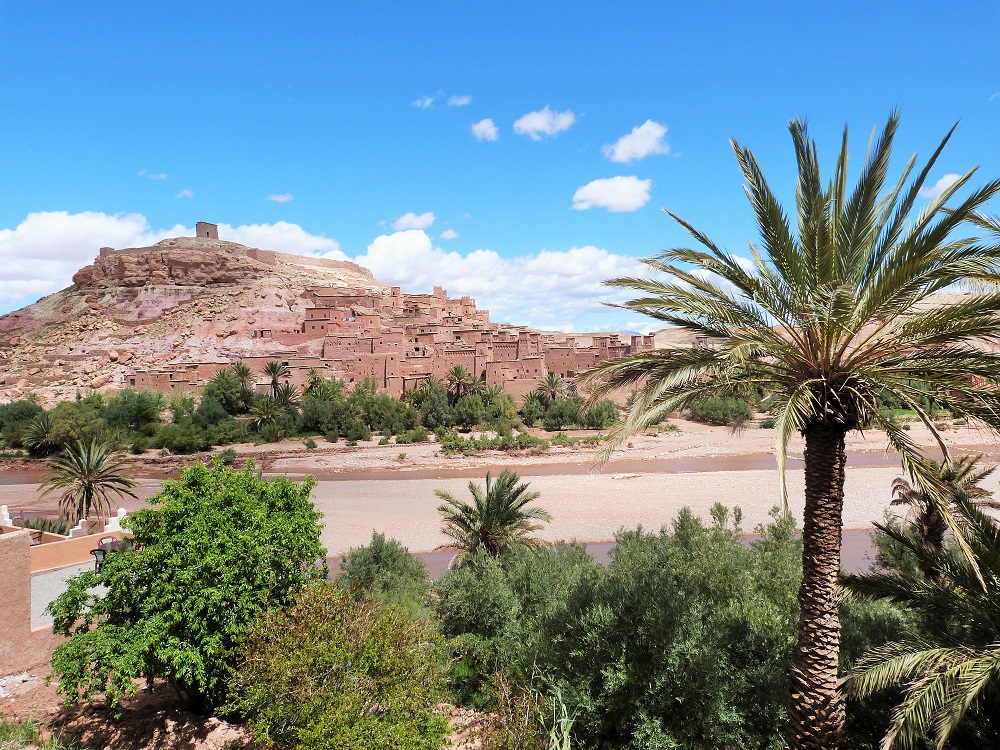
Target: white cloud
[485,130]
[995,95]
[643,141]
[153,176]
[939,187]
[424,102]
[40,255]
[185,193]
[413,221]
[544,122]
[617,194]
[459,101]
[549,289]
[449,234]
[280,197]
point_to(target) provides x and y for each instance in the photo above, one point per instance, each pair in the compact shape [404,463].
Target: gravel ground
[45,587]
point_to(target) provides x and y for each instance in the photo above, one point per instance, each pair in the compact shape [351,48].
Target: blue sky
[126,121]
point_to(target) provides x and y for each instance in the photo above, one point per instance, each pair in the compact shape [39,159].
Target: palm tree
[491,394]
[40,438]
[496,521]
[826,320]
[265,410]
[460,381]
[960,480]
[948,671]
[88,475]
[287,396]
[248,381]
[314,379]
[276,369]
[552,387]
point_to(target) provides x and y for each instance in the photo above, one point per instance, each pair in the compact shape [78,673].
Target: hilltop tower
[206,230]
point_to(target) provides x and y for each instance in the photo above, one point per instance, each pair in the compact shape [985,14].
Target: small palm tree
[960,480]
[553,387]
[314,379]
[243,373]
[287,396]
[834,314]
[88,475]
[265,410]
[950,671]
[496,521]
[491,394]
[276,369]
[40,438]
[460,381]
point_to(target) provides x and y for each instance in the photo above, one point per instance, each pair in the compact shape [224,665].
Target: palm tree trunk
[816,710]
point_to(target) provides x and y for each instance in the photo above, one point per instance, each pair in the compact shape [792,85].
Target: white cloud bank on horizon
[550,289]
[617,194]
[411,220]
[643,141]
[932,192]
[485,130]
[544,123]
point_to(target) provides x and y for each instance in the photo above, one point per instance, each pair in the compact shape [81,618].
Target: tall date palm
[833,311]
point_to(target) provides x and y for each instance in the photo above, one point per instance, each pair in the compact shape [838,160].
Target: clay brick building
[401,340]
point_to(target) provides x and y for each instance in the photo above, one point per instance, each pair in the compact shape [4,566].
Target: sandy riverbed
[372,488]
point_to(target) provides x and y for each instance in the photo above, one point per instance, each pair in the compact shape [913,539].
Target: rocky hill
[184,299]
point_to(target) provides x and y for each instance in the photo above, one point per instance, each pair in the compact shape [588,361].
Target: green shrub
[355,430]
[309,443]
[130,408]
[383,441]
[532,411]
[600,416]
[435,410]
[341,672]
[226,457]
[389,416]
[27,735]
[562,413]
[452,443]
[720,411]
[139,446]
[469,411]
[495,608]
[183,437]
[768,424]
[418,435]
[385,569]
[217,549]
[272,432]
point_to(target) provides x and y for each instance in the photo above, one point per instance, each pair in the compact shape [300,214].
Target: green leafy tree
[216,551]
[435,408]
[276,370]
[87,476]
[949,668]
[562,413]
[600,416]
[340,672]
[133,409]
[469,411]
[498,519]
[533,408]
[831,316]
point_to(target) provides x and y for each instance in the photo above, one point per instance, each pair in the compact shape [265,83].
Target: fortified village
[172,315]
[400,340]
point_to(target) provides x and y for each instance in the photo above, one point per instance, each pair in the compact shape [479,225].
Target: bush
[419,435]
[339,672]
[272,432]
[390,417]
[216,550]
[435,410]
[355,430]
[720,411]
[226,457]
[133,409]
[600,416]
[386,570]
[469,411]
[562,413]
[139,446]
[183,437]
[452,443]
[309,443]
[495,608]
[768,424]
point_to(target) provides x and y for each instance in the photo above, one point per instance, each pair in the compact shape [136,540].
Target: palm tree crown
[951,668]
[553,387]
[460,381]
[825,319]
[88,475]
[276,369]
[496,521]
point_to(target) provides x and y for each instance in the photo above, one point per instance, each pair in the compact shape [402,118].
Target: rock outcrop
[183,299]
